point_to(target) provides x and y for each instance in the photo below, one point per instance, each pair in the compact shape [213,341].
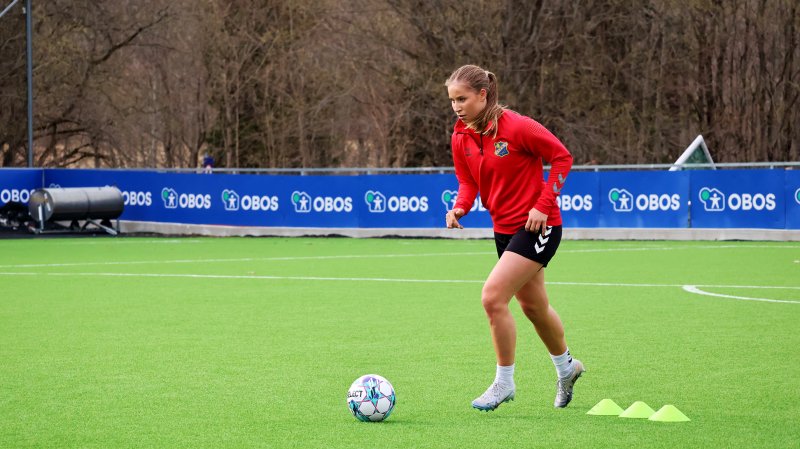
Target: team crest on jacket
[501,149]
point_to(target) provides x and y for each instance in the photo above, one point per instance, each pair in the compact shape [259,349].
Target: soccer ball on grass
[371,398]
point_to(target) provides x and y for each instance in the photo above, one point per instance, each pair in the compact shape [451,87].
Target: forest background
[360,83]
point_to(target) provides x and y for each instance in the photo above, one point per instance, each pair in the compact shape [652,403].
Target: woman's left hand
[537,221]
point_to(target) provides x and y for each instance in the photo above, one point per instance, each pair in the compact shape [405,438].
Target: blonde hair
[477,78]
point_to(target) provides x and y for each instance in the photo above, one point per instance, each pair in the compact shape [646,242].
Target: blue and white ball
[371,398]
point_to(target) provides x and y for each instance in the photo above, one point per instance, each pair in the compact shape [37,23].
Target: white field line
[87,241]
[82,242]
[245,259]
[376,279]
[688,288]
[697,291]
[372,256]
[257,277]
[671,248]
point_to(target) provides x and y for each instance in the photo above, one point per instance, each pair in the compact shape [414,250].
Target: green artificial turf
[253,342]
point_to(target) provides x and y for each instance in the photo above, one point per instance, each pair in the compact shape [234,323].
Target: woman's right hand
[452,216]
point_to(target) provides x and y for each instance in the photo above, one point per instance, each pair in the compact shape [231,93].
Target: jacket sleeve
[467,187]
[544,144]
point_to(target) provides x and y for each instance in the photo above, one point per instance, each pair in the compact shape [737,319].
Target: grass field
[253,342]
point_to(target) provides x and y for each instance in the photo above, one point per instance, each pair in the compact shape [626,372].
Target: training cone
[606,407]
[638,410]
[669,413]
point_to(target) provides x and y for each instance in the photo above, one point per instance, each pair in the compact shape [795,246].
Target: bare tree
[13,118]
[271,83]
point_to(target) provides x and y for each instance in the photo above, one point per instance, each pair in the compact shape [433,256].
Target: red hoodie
[507,170]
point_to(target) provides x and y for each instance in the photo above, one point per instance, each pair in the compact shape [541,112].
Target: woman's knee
[494,300]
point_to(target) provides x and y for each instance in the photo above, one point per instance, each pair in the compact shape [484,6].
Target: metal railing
[445,170]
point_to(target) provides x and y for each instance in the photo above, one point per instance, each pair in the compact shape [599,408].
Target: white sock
[563,364]
[505,375]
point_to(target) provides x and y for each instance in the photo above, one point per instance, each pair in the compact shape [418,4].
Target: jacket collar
[461,128]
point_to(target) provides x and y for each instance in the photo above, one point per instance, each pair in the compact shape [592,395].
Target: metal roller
[82,203]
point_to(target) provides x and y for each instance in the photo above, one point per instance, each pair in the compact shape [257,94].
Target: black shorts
[531,245]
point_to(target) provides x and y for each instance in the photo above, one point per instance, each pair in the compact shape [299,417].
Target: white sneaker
[495,395]
[564,385]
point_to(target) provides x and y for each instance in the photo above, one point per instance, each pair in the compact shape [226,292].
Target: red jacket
[507,170]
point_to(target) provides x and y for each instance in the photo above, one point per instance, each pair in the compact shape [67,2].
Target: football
[371,398]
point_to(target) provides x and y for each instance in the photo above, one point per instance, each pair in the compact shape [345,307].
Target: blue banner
[16,185]
[385,202]
[792,199]
[644,199]
[477,216]
[648,199]
[390,201]
[738,199]
[580,200]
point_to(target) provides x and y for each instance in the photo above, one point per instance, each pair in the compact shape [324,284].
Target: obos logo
[378,203]
[231,201]
[574,202]
[449,198]
[797,196]
[621,199]
[173,200]
[15,195]
[624,201]
[136,198]
[304,203]
[715,201]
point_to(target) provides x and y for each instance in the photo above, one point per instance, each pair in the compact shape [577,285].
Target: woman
[498,153]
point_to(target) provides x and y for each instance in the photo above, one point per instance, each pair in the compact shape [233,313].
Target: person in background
[208,163]
[499,153]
